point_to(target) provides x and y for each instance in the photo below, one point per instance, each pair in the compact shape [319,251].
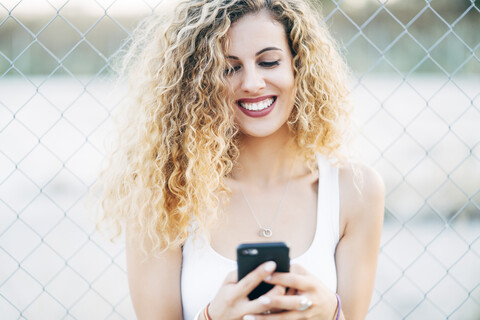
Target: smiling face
[261,77]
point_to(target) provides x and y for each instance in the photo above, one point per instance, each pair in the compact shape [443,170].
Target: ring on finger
[305,303]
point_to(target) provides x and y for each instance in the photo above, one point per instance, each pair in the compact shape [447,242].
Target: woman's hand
[307,297]
[231,301]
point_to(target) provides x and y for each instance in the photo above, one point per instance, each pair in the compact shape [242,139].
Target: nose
[252,80]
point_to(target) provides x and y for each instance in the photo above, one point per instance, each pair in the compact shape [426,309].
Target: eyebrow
[258,53]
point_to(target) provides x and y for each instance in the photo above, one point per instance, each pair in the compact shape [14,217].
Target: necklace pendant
[265,232]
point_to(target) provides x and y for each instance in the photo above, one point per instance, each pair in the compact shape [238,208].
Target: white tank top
[204,270]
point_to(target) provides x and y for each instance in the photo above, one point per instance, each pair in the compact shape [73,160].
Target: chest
[291,216]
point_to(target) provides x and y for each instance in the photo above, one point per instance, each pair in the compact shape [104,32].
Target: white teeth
[257,106]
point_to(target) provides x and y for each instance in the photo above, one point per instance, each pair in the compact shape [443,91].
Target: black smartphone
[251,255]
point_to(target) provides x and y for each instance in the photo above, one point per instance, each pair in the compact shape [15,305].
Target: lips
[257,107]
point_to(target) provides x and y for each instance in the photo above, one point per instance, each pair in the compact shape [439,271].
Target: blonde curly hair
[179,140]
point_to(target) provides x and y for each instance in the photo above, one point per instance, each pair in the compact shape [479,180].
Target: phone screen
[251,255]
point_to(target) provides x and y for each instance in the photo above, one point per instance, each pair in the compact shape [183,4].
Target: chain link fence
[417,92]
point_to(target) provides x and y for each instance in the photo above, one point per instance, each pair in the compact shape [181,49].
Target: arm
[154,282]
[361,211]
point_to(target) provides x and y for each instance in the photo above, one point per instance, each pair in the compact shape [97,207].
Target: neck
[265,161]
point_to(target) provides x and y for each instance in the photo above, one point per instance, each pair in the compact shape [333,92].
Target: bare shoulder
[362,194]
[361,182]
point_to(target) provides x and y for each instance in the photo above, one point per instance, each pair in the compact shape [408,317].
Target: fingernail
[248,317]
[264,300]
[270,266]
[268,278]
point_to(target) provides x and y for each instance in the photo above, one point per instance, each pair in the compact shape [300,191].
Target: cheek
[233,84]
[231,87]
[284,78]
[287,86]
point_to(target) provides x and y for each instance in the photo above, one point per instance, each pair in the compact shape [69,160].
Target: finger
[253,279]
[292,303]
[292,280]
[259,305]
[273,302]
[287,315]
[276,291]
[296,268]
[232,277]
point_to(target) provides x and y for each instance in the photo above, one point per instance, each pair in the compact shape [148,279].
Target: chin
[262,131]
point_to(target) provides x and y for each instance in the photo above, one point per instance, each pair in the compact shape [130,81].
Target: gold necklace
[267,232]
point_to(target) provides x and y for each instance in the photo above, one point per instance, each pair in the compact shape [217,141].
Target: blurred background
[416,88]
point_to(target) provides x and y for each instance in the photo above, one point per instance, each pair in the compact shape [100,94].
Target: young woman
[237,123]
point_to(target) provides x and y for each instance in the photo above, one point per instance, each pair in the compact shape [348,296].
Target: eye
[231,70]
[269,64]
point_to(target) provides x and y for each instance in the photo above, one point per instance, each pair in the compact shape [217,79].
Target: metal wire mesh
[417,95]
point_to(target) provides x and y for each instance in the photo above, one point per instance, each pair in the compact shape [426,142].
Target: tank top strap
[328,206]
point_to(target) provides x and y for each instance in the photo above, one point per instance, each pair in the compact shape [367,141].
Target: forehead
[256,31]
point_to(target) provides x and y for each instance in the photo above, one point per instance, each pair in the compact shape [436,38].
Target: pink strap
[339,306]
